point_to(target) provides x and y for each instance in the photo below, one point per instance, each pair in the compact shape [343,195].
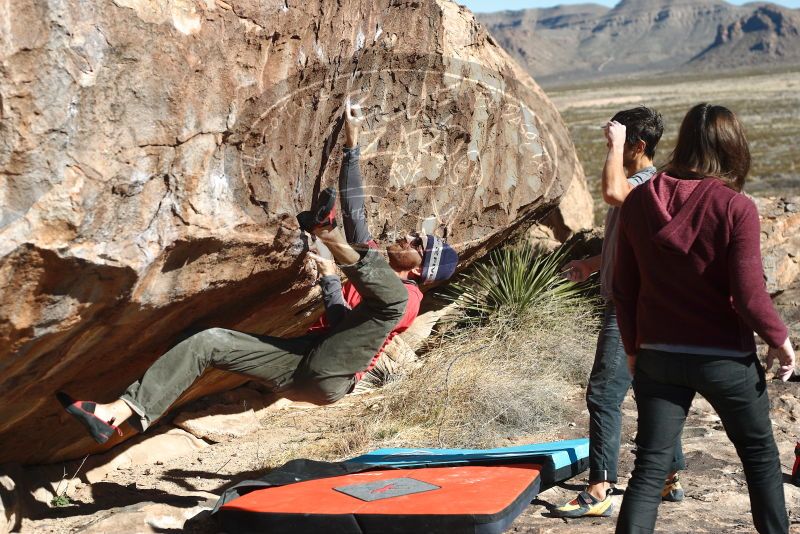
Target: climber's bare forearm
[334,239]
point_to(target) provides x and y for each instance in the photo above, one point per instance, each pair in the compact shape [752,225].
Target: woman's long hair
[711,142]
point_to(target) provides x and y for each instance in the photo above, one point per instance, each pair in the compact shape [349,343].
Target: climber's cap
[439,260]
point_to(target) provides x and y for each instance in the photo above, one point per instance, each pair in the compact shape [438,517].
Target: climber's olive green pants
[318,368]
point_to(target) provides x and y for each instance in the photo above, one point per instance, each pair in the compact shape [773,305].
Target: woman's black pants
[664,384]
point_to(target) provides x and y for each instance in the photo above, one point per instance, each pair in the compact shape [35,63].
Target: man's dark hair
[643,124]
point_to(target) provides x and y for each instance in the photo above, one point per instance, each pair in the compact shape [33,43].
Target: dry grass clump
[483,384]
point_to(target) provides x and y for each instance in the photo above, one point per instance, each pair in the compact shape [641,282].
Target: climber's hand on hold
[353,118]
[325,267]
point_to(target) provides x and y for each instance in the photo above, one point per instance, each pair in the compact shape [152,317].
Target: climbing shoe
[672,491]
[322,214]
[585,505]
[83,411]
[796,466]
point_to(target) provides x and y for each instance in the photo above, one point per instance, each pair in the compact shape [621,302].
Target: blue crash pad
[561,460]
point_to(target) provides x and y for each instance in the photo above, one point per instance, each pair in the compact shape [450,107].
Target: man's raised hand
[615,135]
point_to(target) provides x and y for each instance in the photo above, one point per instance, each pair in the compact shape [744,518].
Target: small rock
[696,432]
[10,505]
[146,518]
[790,404]
[43,495]
[701,405]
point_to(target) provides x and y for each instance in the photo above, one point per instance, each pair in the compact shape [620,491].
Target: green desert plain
[767,102]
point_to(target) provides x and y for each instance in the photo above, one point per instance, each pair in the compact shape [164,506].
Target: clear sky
[499,5]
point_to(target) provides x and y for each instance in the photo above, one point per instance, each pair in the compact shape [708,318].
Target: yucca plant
[512,280]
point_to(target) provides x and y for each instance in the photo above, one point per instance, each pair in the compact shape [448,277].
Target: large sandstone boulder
[780,241]
[780,249]
[154,152]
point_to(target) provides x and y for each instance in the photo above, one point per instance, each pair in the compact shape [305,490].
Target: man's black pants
[608,384]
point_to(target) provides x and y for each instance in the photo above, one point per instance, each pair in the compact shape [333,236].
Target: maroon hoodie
[688,269]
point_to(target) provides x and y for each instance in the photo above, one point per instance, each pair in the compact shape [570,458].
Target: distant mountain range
[578,42]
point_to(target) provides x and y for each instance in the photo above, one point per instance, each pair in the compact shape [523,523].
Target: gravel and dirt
[160,495]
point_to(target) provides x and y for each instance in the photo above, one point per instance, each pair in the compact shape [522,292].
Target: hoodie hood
[676,209]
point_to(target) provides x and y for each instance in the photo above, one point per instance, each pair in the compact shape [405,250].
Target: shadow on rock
[180,476]
[108,495]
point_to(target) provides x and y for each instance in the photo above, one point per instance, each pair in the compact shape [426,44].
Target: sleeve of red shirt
[625,285]
[746,273]
[412,310]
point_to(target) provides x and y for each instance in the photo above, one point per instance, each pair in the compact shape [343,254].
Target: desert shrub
[513,280]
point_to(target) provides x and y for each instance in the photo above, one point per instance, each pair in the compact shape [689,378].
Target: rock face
[154,153]
[780,242]
[780,249]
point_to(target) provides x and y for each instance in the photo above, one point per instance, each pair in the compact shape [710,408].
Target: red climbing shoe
[83,411]
[796,467]
[322,214]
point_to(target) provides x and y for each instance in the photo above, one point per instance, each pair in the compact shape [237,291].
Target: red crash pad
[467,498]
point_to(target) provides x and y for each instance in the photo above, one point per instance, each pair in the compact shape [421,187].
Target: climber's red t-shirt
[353,298]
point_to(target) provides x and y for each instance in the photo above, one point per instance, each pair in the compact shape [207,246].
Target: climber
[631,137]
[379,300]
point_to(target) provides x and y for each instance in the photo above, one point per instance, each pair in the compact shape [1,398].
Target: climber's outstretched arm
[351,184]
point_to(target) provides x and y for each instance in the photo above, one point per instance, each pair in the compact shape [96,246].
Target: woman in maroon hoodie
[689,290]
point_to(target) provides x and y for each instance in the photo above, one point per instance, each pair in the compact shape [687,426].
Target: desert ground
[163,491]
